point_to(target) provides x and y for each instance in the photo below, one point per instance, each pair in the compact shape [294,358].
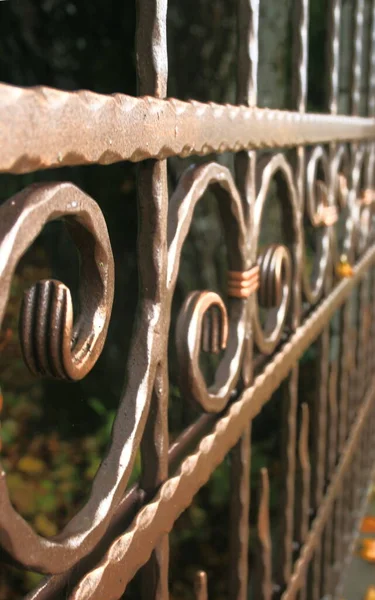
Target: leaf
[93,467]
[22,493]
[368,525]
[97,406]
[44,526]
[66,471]
[31,465]
[368,550]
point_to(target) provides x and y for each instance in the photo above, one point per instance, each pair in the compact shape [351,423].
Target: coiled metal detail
[205,322]
[322,214]
[52,343]
[275,276]
[56,344]
[279,264]
[46,328]
[241,284]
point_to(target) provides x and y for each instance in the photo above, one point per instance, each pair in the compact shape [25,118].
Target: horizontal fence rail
[89,128]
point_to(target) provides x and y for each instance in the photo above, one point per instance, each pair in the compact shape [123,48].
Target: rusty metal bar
[152,70]
[247,74]
[319,430]
[303,495]
[176,494]
[333,52]
[331,542]
[239,516]
[263,578]
[290,400]
[87,128]
[200,586]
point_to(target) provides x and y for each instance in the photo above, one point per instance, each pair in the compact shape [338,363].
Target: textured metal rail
[86,128]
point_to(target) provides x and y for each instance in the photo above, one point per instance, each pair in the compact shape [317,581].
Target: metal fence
[276,308]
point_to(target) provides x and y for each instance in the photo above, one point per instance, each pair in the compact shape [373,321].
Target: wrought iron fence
[323,169]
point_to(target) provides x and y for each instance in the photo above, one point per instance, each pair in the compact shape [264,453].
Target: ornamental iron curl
[279,265]
[321,215]
[192,319]
[51,343]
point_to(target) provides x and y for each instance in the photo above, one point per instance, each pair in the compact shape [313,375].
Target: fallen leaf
[31,465]
[368,550]
[370,594]
[44,526]
[368,525]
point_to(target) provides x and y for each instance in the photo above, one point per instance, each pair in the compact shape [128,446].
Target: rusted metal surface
[88,128]
[279,300]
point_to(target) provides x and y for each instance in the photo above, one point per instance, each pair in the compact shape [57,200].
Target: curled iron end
[215,328]
[275,274]
[203,324]
[46,329]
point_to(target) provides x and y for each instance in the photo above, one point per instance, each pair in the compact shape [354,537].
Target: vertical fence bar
[152,69]
[290,400]
[303,496]
[349,339]
[331,543]
[319,430]
[200,586]
[299,94]
[330,549]
[263,581]
[357,297]
[247,74]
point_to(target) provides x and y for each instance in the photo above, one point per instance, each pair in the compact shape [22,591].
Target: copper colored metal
[87,128]
[367,198]
[241,284]
[53,341]
[263,581]
[191,319]
[200,586]
[259,337]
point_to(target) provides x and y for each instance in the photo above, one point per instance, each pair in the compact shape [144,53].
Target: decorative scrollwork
[322,215]
[204,319]
[362,198]
[276,272]
[241,284]
[52,344]
[279,264]
[339,196]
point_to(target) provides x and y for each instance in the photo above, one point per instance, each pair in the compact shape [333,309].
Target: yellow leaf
[370,594]
[31,465]
[23,494]
[44,526]
[368,525]
[368,550]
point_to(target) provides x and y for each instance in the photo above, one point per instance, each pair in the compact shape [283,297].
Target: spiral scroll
[279,264]
[204,314]
[322,214]
[53,342]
